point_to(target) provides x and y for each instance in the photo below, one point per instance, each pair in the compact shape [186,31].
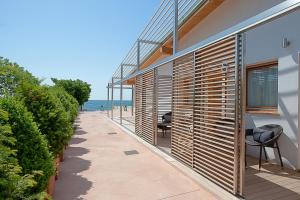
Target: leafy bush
[12,76]
[79,89]
[12,184]
[49,114]
[69,103]
[32,151]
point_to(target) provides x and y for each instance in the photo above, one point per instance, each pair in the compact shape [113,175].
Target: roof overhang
[269,15]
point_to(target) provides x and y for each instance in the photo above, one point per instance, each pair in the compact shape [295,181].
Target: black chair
[166,123]
[265,136]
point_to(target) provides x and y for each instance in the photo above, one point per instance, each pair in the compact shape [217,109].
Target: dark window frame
[273,110]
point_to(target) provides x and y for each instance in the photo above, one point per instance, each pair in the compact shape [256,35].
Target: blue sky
[70,39]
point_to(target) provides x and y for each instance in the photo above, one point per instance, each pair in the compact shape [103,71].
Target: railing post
[107,99]
[112,98]
[175,27]
[121,94]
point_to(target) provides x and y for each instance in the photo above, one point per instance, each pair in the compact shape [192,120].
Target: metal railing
[157,32]
[264,17]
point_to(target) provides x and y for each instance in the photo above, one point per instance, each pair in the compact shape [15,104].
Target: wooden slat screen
[164,95]
[138,105]
[145,110]
[206,114]
[148,105]
[182,103]
[216,124]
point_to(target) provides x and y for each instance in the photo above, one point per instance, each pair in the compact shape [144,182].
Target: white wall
[265,43]
[229,13]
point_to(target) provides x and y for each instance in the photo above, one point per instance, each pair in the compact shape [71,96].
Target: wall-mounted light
[285,43]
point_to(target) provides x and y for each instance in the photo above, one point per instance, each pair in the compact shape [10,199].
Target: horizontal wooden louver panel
[145,107]
[138,105]
[215,120]
[148,107]
[182,103]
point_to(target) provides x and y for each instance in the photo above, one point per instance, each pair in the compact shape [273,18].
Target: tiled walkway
[96,167]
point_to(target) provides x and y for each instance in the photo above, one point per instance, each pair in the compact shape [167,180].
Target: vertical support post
[132,99]
[236,118]
[239,139]
[175,27]
[155,104]
[172,105]
[298,168]
[112,98]
[193,124]
[108,99]
[121,95]
[138,54]
[242,112]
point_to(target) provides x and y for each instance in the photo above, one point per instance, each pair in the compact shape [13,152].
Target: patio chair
[265,136]
[166,123]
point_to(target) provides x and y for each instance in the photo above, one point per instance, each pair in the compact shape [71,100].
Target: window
[262,87]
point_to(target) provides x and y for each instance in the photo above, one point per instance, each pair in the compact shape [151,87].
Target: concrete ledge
[207,184]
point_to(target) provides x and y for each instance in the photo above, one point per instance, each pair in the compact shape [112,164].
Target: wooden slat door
[182,108]
[148,105]
[216,113]
[138,105]
[145,110]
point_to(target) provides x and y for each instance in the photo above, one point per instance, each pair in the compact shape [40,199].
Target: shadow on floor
[76,151]
[271,182]
[71,185]
[80,131]
[77,121]
[77,140]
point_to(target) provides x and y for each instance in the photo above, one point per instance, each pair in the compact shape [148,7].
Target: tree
[12,76]
[32,150]
[79,89]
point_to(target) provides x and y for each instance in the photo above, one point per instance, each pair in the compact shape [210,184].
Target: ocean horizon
[102,105]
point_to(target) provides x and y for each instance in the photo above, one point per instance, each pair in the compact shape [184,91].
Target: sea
[102,105]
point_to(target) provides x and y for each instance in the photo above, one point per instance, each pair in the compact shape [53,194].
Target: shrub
[12,76]
[79,89]
[69,103]
[12,184]
[49,114]
[32,151]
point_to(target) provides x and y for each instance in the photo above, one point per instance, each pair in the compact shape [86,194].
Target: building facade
[225,67]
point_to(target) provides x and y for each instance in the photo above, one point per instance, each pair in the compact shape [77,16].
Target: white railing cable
[159,29]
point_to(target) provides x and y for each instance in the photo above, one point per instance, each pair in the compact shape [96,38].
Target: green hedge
[32,151]
[69,103]
[13,185]
[50,115]
[35,125]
